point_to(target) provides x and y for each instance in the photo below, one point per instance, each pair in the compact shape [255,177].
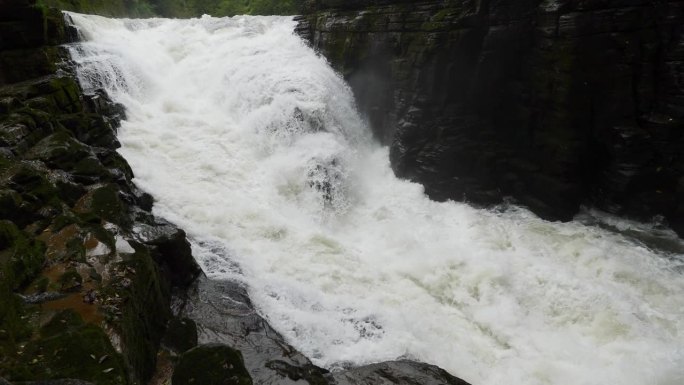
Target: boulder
[103,202]
[60,150]
[174,254]
[69,348]
[181,335]
[21,257]
[212,364]
[396,372]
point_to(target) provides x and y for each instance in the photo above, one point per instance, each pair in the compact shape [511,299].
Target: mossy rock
[21,258]
[11,134]
[13,325]
[91,129]
[56,31]
[142,316]
[103,202]
[25,64]
[64,91]
[42,103]
[65,244]
[173,251]
[40,285]
[102,235]
[68,190]
[11,206]
[59,150]
[32,183]
[70,280]
[66,320]
[90,169]
[9,104]
[69,348]
[211,365]
[181,335]
[116,164]
[20,130]
[39,197]
[63,221]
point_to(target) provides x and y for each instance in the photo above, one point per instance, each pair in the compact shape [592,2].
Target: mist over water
[251,142]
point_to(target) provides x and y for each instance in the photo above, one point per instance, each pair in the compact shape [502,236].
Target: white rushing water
[251,143]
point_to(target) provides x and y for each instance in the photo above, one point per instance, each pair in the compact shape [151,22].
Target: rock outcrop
[226,318]
[83,297]
[556,103]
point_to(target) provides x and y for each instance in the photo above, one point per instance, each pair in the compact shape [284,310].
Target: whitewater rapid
[251,142]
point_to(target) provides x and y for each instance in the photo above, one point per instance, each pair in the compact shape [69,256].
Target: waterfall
[250,142]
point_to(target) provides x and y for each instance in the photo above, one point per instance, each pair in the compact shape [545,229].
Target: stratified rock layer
[555,103]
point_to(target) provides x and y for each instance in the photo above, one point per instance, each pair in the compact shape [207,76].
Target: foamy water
[251,143]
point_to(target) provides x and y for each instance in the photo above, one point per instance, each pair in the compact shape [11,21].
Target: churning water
[251,143]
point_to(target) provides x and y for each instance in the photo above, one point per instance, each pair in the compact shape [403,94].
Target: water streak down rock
[554,103]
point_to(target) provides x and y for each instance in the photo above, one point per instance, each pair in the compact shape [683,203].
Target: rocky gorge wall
[556,103]
[86,271]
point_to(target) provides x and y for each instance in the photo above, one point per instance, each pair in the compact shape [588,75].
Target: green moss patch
[69,348]
[211,365]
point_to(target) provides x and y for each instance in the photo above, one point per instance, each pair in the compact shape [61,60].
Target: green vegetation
[115,8]
[177,8]
[211,364]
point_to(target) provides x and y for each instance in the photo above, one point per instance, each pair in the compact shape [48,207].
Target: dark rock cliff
[86,271]
[556,103]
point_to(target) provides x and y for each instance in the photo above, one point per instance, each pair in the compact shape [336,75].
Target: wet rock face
[397,372]
[211,365]
[172,250]
[555,103]
[226,317]
[181,335]
[83,298]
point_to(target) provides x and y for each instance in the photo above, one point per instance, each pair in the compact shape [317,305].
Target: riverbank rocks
[556,104]
[67,347]
[181,335]
[211,365]
[82,299]
[175,254]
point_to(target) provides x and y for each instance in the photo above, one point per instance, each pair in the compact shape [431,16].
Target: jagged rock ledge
[226,318]
[94,289]
[555,103]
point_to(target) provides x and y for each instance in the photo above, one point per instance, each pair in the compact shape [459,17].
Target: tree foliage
[177,8]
